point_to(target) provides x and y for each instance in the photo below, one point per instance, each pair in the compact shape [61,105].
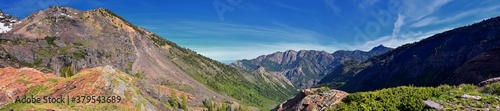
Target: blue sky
[228,30]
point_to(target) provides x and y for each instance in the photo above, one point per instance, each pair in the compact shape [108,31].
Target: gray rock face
[312,100]
[59,37]
[305,68]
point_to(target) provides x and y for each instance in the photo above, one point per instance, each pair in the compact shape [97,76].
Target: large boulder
[312,100]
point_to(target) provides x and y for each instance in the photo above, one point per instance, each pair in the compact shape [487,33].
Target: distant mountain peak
[380,47]
[7,22]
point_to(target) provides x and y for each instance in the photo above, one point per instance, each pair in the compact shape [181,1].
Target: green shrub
[467,87]
[184,103]
[173,100]
[67,71]
[492,89]
[399,98]
[138,75]
[50,40]
[321,89]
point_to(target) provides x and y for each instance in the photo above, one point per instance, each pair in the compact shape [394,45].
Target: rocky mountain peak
[380,48]
[7,21]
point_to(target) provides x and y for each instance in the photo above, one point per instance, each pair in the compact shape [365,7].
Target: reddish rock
[308,101]
[15,82]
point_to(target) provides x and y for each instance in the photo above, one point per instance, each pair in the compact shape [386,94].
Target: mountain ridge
[64,41]
[305,68]
[429,62]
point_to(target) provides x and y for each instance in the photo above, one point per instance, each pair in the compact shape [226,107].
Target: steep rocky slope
[274,78]
[100,81]
[306,67]
[60,37]
[480,68]
[463,55]
[63,40]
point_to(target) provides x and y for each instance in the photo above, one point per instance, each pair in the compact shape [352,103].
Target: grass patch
[411,98]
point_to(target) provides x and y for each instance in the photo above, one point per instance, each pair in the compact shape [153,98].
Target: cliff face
[306,67]
[462,55]
[312,100]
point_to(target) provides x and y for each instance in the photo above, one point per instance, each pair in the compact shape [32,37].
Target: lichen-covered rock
[312,100]
[433,105]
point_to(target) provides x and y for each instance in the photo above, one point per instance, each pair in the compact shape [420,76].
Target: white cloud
[415,10]
[366,3]
[418,9]
[391,41]
[333,6]
[433,20]
[231,53]
[397,25]
[228,31]
[423,22]
[236,41]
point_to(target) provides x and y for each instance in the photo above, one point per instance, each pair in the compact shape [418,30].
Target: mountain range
[416,76]
[305,68]
[61,51]
[64,41]
[467,54]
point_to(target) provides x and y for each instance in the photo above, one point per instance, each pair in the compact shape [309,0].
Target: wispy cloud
[433,20]
[424,22]
[236,41]
[397,25]
[391,41]
[250,33]
[266,40]
[333,6]
[366,3]
[417,9]
[290,7]
[412,11]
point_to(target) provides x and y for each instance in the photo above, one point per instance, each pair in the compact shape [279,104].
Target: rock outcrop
[490,81]
[433,105]
[6,22]
[312,100]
